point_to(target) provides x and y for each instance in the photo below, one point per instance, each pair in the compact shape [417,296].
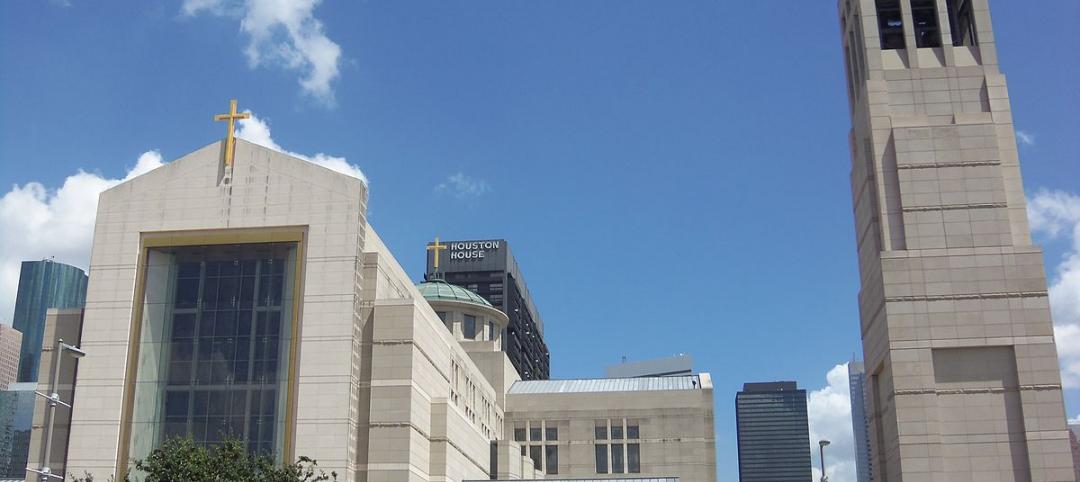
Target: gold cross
[436,248]
[229,139]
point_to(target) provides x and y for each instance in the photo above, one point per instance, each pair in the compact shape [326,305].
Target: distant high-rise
[860,424]
[10,345]
[773,433]
[16,420]
[955,319]
[489,269]
[1074,441]
[43,285]
[672,366]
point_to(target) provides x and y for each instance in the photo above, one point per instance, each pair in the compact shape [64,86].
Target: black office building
[774,435]
[488,268]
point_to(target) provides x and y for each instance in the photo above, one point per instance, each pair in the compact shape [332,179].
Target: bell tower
[963,379]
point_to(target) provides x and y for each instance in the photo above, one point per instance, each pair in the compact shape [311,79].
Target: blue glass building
[16,419]
[860,424]
[774,433]
[42,285]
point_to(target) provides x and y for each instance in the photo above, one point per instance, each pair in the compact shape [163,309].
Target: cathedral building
[240,292]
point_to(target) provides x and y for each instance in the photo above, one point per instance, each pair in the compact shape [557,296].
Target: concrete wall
[265,188]
[951,285]
[67,325]
[430,412]
[677,436]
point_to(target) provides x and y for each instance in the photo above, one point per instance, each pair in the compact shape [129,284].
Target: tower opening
[927,30]
[890,24]
[962,22]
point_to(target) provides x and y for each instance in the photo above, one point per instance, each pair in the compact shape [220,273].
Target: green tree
[181,459]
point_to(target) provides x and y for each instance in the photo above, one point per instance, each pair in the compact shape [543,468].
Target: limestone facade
[363,374]
[60,324]
[616,428]
[962,372]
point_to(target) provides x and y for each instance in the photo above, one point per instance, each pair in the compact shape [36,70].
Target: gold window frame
[210,237]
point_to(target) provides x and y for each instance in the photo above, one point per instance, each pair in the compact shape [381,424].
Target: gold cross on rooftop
[229,138]
[436,248]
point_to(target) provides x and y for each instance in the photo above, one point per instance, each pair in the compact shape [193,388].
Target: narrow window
[890,24]
[551,459]
[927,31]
[535,454]
[601,459]
[519,434]
[491,331]
[534,432]
[470,327]
[616,458]
[616,432]
[633,458]
[552,433]
[962,22]
[632,432]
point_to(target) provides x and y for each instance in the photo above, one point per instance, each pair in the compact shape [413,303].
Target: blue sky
[672,176]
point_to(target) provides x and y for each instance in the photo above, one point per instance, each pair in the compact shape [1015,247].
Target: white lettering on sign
[465,250]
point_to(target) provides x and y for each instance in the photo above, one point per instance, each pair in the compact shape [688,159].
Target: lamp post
[52,400]
[821,448]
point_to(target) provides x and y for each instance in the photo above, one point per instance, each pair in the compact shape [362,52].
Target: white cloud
[284,33]
[1025,138]
[829,412]
[1057,213]
[40,222]
[463,187]
[257,131]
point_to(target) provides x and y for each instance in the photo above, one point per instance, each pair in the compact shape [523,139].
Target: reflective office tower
[773,433]
[16,418]
[10,347]
[42,285]
[860,423]
[677,365]
[488,268]
[964,379]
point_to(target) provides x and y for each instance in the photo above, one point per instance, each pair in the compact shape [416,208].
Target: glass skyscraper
[42,285]
[16,419]
[860,424]
[773,432]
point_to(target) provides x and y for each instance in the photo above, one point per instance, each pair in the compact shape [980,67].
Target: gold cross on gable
[232,116]
[436,248]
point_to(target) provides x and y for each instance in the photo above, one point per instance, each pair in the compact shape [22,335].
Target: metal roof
[439,290]
[623,479]
[634,479]
[599,385]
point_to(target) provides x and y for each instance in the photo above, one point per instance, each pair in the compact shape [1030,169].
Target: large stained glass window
[214,346]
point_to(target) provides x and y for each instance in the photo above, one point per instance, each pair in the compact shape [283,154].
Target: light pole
[52,400]
[821,447]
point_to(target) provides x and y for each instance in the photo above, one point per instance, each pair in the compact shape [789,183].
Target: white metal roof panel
[601,385]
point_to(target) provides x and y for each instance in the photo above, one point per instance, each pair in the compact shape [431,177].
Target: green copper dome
[440,290]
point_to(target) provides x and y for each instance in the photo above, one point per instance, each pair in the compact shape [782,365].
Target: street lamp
[821,448]
[52,400]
